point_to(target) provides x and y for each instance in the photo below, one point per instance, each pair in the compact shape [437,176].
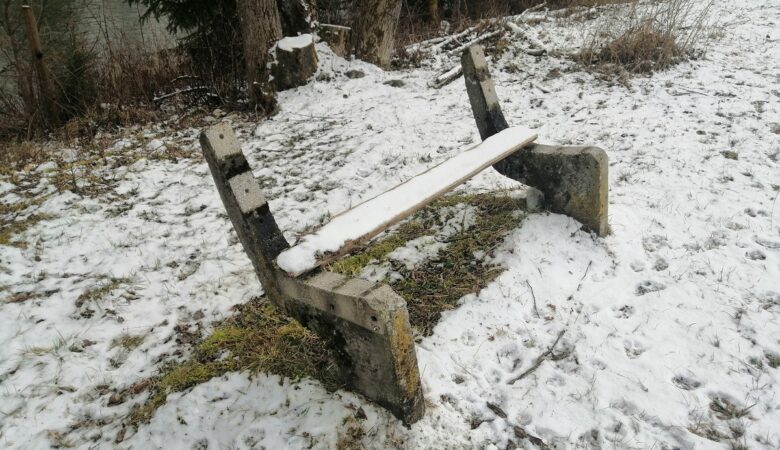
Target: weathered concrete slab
[370,323]
[574,180]
[366,324]
[245,204]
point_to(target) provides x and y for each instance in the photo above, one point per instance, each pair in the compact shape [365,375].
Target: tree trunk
[261,27]
[373,30]
[433,11]
[297,16]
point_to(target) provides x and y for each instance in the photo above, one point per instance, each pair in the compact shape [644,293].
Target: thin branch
[539,360]
[579,286]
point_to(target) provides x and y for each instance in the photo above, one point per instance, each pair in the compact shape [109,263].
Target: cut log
[359,224]
[446,78]
[295,61]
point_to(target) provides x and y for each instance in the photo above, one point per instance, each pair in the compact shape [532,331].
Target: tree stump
[336,36]
[295,61]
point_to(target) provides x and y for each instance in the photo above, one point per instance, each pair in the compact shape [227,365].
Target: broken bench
[366,323]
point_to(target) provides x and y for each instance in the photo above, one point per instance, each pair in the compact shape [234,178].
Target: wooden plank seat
[364,221]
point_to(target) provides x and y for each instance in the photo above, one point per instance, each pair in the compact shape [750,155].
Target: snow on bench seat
[366,220]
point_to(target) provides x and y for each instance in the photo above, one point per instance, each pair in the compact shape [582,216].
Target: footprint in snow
[647,286]
[633,348]
[686,383]
[624,312]
[598,364]
[660,264]
[753,212]
[654,243]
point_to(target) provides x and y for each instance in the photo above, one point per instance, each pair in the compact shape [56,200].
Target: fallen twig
[579,286]
[534,297]
[539,360]
[180,91]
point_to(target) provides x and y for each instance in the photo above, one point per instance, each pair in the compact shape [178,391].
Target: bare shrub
[101,80]
[645,37]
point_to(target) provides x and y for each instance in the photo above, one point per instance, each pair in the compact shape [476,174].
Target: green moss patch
[258,339]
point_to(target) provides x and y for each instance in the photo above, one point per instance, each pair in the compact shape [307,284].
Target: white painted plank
[371,217]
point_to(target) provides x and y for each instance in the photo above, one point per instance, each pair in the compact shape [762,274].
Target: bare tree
[373,30]
[261,27]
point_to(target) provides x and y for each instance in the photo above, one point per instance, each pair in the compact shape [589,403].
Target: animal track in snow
[633,348]
[686,383]
[624,312]
[647,286]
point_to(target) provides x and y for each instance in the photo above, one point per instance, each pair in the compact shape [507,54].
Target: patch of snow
[291,43]
[630,370]
[46,167]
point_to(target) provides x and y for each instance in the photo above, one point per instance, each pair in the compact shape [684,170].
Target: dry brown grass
[643,38]
[437,285]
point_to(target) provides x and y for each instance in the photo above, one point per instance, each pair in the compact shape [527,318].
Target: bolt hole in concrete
[222,136]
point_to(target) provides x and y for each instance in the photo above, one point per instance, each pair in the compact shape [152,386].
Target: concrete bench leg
[366,324]
[574,180]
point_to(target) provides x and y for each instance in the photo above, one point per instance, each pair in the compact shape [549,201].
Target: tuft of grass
[773,359]
[15,222]
[103,288]
[350,437]
[643,38]
[725,409]
[9,231]
[437,285]
[259,339]
[128,341]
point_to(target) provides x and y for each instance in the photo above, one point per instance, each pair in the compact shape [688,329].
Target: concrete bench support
[574,180]
[366,324]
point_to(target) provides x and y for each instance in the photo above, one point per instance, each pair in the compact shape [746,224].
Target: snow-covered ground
[672,323]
